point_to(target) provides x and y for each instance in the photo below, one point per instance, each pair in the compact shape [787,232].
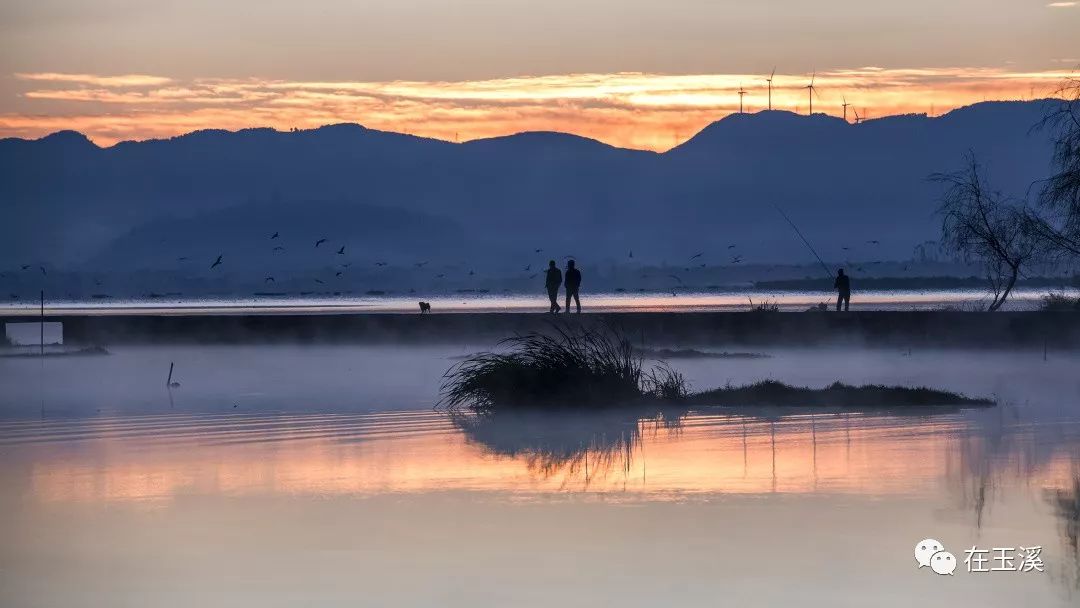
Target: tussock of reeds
[1060,302]
[596,367]
[567,367]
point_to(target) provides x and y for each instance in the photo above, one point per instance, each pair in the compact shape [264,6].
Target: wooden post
[169,381]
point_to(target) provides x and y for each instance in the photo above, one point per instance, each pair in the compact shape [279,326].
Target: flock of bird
[694,262]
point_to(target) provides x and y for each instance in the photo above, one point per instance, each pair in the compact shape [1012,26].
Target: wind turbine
[811,91]
[845,104]
[858,118]
[741,93]
[769,80]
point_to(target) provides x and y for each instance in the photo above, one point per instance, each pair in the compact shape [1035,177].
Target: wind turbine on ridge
[741,93]
[811,91]
[769,80]
[845,104]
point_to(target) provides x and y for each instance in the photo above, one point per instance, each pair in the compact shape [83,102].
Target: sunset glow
[634,110]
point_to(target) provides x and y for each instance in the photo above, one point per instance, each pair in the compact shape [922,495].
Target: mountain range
[401,200]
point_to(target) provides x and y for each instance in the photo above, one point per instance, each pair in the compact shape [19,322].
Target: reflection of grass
[552,444]
[1066,505]
[580,367]
[771,392]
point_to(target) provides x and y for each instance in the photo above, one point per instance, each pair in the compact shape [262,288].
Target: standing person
[843,289]
[573,283]
[554,279]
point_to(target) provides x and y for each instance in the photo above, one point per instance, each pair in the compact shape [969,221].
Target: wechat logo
[930,552]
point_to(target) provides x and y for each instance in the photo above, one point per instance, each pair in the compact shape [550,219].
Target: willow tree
[983,226]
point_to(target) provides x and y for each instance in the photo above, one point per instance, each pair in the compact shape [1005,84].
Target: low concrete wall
[873,328]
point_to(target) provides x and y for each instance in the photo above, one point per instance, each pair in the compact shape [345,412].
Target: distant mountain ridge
[493,202]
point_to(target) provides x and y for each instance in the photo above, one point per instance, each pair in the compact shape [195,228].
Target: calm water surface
[321,476]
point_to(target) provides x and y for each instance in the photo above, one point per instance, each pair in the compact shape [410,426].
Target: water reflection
[699,481]
[653,455]
[570,443]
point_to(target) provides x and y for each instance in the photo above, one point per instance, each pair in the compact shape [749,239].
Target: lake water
[677,301]
[321,475]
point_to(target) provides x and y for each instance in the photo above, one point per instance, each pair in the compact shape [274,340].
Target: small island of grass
[583,367]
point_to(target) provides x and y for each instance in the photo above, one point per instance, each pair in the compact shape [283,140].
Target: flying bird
[380,263]
[319,242]
[216,263]
[471,273]
[319,281]
[269,280]
[736,259]
[676,278]
[25,266]
[696,255]
[420,264]
[538,250]
[528,267]
[440,276]
[731,246]
[43,270]
[341,251]
[181,259]
[279,248]
[631,254]
[874,242]
[337,274]
[274,236]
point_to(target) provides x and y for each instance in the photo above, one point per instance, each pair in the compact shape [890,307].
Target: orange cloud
[635,110]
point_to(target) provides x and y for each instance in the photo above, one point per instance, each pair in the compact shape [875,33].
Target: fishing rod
[828,273]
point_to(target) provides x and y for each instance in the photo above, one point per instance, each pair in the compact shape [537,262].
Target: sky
[633,73]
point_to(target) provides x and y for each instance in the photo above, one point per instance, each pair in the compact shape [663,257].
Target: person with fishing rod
[842,284]
[843,289]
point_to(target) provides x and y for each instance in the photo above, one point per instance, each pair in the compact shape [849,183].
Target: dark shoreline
[905,329]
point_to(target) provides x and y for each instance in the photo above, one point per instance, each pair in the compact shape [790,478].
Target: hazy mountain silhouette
[69,202]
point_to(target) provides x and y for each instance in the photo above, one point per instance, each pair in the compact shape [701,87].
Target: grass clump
[568,367]
[773,393]
[1060,302]
[599,367]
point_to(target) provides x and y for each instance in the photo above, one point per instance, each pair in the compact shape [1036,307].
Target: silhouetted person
[554,279]
[843,289]
[573,283]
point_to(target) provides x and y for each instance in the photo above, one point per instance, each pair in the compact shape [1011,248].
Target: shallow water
[320,475]
[677,301]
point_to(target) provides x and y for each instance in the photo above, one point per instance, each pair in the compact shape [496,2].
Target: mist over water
[324,468]
[675,300]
